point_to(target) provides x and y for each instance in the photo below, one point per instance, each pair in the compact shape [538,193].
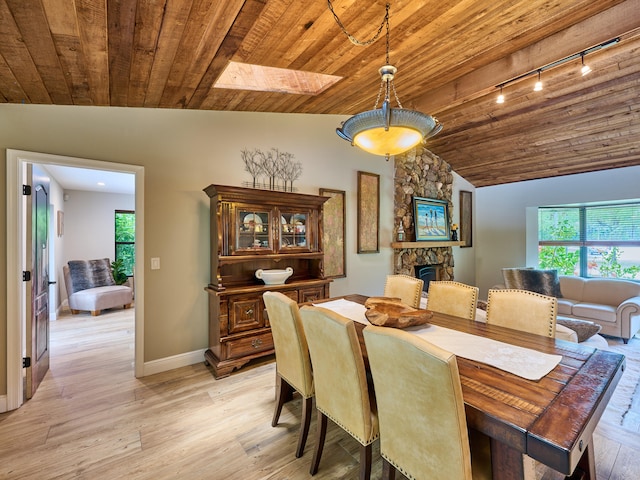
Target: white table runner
[524,362]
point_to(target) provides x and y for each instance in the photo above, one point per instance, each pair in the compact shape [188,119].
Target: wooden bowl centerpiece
[391,312]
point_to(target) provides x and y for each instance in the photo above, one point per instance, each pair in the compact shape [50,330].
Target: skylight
[245,76]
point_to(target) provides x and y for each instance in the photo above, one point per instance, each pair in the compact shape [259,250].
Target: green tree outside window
[590,240]
[125,239]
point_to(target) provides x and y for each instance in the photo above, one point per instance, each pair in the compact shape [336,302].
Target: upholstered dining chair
[405,287]
[453,298]
[522,310]
[423,427]
[342,392]
[293,364]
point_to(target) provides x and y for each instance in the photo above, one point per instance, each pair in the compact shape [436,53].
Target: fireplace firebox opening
[427,273]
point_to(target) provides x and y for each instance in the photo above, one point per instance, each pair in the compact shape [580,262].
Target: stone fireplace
[421,173]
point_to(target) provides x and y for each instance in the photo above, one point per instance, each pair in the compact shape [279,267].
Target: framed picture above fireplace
[431,219]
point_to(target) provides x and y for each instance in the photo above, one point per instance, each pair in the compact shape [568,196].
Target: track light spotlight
[538,86]
[585,68]
[500,98]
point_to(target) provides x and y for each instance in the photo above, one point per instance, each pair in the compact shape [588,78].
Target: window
[125,239]
[591,241]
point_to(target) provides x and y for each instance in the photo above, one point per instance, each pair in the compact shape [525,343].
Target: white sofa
[102,293]
[613,304]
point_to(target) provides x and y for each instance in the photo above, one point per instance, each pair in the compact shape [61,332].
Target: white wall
[89,230]
[504,212]
[464,258]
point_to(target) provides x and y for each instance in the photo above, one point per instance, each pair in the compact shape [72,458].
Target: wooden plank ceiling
[450,55]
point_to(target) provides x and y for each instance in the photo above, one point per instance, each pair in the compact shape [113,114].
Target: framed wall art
[431,219]
[333,233]
[60,223]
[466,218]
[368,212]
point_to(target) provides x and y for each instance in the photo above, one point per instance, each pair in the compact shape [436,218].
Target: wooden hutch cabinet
[255,229]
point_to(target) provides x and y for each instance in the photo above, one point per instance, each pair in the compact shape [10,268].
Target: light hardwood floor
[91,419]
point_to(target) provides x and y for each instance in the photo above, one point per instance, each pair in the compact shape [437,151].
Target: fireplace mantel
[427,244]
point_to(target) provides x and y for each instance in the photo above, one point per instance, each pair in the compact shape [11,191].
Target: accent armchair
[90,287]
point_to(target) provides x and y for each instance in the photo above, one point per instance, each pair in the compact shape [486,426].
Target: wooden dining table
[551,420]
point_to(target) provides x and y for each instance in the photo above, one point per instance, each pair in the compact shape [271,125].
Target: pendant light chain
[396,95]
[386,21]
[375,105]
[354,40]
[386,84]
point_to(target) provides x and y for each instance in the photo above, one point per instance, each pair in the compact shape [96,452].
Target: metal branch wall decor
[273,170]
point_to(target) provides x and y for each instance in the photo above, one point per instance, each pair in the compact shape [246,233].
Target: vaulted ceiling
[450,55]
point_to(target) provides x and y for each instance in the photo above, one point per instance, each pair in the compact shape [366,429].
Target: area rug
[624,407]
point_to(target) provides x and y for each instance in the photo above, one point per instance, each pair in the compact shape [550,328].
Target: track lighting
[538,85]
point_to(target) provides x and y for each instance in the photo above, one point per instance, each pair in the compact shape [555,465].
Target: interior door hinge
[26,362]
[26,276]
[26,189]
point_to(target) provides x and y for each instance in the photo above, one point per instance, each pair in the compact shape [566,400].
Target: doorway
[17,162]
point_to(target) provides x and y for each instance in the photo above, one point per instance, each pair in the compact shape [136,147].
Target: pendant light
[386,130]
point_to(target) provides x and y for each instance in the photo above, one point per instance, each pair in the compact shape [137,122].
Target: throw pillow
[90,274]
[583,328]
[545,282]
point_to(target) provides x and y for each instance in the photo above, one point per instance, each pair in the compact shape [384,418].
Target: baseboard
[176,361]
[3,403]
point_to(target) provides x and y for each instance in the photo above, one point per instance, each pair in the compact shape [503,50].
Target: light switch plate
[155,263]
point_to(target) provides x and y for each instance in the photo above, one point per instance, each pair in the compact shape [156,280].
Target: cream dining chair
[293,365]
[526,311]
[342,392]
[522,310]
[453,298]
[423,426]
[405,287]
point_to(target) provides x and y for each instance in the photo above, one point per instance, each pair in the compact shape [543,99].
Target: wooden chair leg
[365,461]
[321,433]
[95,313]
[388,470]
[284,391]
[305,421]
